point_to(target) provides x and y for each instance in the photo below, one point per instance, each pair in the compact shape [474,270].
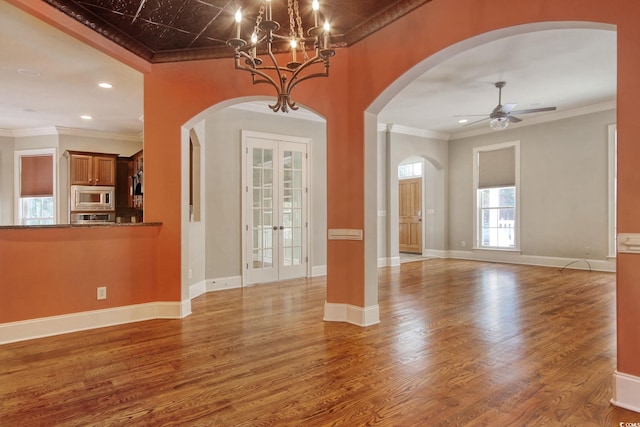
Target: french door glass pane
[292,207]
[286,160]
[297,160]
[297,179]
[267,200]
[297,199]
[263,220]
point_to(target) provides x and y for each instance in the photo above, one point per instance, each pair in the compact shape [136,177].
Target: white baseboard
[608,265]
[221,283]
[626,391]
[318,270]
[185,308]
[74,322]
[434,253]
[197,289]
[389,261]
[361,316]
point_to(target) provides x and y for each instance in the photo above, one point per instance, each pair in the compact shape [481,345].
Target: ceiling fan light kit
[499,123]
[501,116]
[284,78]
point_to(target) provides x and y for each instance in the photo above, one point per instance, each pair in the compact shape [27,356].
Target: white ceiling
[65,84]
[569,69]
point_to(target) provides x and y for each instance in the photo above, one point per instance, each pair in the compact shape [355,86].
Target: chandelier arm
[278,70]
[293,83]
[267,78]
[294,77]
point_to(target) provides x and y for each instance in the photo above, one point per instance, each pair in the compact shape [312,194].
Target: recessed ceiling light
[86,117]
[28,72]
[28,110]
[461,121]
[105,85]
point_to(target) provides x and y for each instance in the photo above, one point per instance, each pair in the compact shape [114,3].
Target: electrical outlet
[587,250]
[190,274]
[463,244]
[102,292]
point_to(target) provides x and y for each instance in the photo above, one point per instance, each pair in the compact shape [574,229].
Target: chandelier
[284,78]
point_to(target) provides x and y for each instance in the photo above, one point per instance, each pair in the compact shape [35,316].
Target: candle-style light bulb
[254,41]
[268,10]
[294,46]
[239,22]
[315,5]
[327,28]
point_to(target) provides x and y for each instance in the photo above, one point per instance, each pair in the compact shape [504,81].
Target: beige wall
[563,186]
[223,198]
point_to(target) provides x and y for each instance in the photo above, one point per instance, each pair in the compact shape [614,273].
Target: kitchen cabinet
[92,168]
[130,188]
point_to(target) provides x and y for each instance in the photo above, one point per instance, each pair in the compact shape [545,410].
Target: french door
[275,210]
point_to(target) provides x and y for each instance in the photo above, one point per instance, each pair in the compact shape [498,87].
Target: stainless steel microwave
[87,198]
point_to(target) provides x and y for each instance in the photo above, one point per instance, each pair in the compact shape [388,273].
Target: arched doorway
[213,247]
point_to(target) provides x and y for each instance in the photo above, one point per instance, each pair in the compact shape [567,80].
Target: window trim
[612,196]
[476,206]
[18,154]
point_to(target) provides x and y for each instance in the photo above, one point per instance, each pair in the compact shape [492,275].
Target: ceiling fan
[501,116]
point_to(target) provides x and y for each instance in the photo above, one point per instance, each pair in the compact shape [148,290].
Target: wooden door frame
[245,135]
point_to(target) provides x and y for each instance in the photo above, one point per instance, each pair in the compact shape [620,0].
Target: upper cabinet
[92,168]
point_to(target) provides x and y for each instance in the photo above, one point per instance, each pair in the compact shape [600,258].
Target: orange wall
[439,24]
[54,271]
[176,92]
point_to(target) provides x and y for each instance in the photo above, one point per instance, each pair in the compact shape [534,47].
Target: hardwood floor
[459,343]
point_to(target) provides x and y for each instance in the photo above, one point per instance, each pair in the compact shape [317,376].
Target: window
[497,217]
[496,193]
[35,204]
[37,210]
[410,170]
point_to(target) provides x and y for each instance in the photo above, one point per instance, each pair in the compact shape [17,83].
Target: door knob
[275,228]
[281,227]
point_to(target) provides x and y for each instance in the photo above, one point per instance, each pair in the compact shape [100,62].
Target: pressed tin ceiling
[182,30]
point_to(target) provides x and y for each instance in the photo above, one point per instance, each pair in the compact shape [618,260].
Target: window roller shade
[497,168]
[36,176]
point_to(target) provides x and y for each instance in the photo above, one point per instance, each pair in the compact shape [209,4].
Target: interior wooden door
[410,197]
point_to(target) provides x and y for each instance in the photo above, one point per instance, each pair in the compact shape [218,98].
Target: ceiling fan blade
[471,115]
[534,110]
[513,119]
[507,108]
[477,121]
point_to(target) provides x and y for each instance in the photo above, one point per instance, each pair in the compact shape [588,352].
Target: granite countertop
[96,224]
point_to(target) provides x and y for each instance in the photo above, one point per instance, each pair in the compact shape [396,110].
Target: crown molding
[59,130]
[406,130]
